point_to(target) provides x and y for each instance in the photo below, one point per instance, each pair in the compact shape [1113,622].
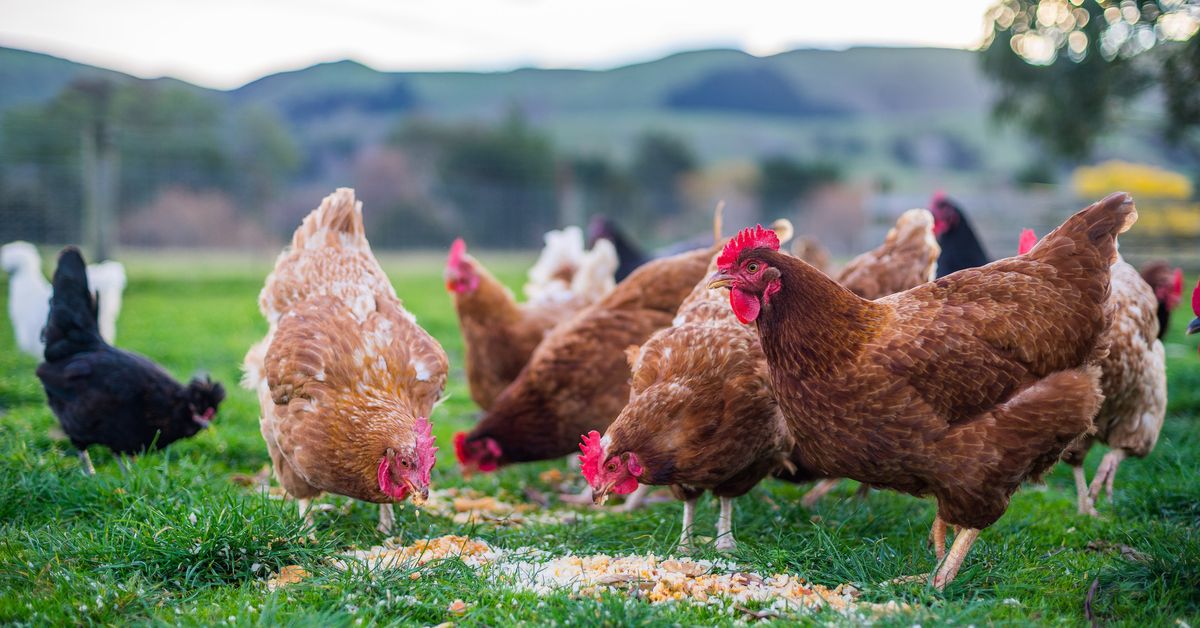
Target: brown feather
[344,371]
[577,379]
[960,388]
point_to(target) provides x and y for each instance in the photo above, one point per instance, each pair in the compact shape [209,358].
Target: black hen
[102,395]
[960,248]
[629,254]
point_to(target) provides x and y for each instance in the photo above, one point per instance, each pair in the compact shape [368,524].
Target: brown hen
[578,379]
[500,334]
[961,388]
[701,415]
[345,377]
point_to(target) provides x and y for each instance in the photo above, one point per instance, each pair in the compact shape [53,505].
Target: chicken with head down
[345,377]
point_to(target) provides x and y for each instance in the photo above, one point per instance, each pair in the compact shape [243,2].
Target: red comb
[1176,286]
[589,462]
[457,249]
[755,237]
[1028,240]
[938,197]
[460,447]
[426,452]
[1196,299]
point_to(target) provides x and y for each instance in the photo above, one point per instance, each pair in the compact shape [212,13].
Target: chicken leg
[1086,505]
[958,551]
[689,517]
[387,519]
[305,506]
[1106,473]
[815,493]
[86,461]
[725,540]
[937,536]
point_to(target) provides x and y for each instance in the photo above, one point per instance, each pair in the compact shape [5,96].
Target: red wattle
[745,305]
[626,486]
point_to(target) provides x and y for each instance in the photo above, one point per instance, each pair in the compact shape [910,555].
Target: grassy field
[177,541]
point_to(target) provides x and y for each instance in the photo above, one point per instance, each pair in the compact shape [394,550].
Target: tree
[783,181]
[129,140]
[501,178]
[659,163]
[1067,70]
[608,189]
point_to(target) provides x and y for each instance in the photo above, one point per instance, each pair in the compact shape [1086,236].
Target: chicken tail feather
[72,325]
[338,214]
[253,365]
[1090,232]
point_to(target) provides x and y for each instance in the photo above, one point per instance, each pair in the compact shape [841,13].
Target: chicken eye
[405,463]
[753,267]
[612,465]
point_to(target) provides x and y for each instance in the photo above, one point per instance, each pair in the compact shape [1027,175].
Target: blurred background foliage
[1067,100]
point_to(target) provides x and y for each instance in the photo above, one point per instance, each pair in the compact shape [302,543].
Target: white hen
[29,295]
[565,270]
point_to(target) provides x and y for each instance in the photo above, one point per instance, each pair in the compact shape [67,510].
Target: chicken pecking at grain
[961,388]
[345,377]
[500,334]
[701,416]
[1133,378]
[103,395]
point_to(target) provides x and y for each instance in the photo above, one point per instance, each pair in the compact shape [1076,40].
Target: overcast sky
[225,43]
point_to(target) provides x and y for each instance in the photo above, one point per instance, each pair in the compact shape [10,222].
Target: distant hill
[858,80]
[892,113]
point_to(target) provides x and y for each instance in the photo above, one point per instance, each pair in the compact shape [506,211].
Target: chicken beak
[719,280]
[601,496]
[418,496]
[1194,326]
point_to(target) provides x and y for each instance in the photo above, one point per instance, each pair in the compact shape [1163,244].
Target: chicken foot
[725,540]
[86,461]
[1083,498]
[689,518]
[958,551]
[1106,473]
[387,519]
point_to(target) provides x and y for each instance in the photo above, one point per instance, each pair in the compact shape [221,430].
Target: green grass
[176,541]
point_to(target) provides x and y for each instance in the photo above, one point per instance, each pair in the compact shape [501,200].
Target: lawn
[177,540]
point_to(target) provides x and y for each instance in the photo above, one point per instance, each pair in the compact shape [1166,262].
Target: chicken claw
[958,551]
[1086,505]
[1106,473]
